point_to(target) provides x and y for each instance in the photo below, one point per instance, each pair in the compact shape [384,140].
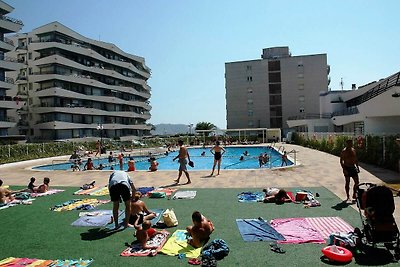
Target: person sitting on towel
[144,232]
[279,196]
[43,188]
[138,207]
[5,194]
[31,184]
[200,231]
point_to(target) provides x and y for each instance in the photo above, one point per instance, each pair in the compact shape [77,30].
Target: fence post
[43,148]
[27,150]
[384,150]
[9,151]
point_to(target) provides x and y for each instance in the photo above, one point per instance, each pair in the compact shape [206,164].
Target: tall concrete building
[77,87]
[263,93]
[7,25]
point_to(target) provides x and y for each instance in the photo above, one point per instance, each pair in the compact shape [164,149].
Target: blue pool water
[230,160]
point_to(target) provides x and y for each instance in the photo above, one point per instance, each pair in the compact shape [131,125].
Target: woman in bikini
[217,151]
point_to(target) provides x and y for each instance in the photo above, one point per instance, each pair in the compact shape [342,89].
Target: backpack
[169,218]
[217,249]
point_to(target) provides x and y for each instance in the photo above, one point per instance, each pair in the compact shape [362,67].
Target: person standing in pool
[182,155]
[217,151]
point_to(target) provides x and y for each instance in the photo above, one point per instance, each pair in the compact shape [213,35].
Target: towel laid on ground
[97,218]
[15,262]
[297,231]
[103,191]
[79,204]
[16,202]
[86,191]
[154,221]
[257,230]
[168,191]
[47,193]
[184,195]
[156,240]
[251,197]
[328,225]
[178,244]
[145,190]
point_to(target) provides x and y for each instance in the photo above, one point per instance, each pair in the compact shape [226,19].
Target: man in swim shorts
[349,163]
[120,186]
[182,155]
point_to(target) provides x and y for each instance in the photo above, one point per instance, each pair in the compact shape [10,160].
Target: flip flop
[276,248]
[194,261]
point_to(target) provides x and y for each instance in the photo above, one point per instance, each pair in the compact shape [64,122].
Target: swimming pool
[230,160]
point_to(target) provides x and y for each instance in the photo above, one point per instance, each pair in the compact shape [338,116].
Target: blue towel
[97,218]
[251,197]
[145,190]
[257,230]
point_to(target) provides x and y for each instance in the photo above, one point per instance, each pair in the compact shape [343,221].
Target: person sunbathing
[200,231]
[5,194]
[279,196]
[31,184]
[138,207]
[144,232]
[43,188]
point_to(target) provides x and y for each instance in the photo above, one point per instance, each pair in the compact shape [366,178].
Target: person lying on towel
[200,231]
[279,196]
[144,232]
[43,188]
[138,207]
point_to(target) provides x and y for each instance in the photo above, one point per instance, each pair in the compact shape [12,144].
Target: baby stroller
[379,225]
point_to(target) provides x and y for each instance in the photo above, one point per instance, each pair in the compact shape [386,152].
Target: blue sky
[186,43]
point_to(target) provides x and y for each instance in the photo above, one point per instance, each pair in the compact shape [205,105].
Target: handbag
[169,218]
[191,163]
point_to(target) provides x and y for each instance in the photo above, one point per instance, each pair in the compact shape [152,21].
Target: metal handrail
[7,18]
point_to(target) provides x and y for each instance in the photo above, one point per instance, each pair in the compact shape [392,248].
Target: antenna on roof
[341,83]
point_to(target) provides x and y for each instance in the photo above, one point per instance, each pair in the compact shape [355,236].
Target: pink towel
[50,192]
[297,231]
[329,225]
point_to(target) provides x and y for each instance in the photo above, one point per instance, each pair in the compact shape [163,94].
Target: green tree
[205,126]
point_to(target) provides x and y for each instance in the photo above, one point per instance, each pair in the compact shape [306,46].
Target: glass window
[276,122]
[274,65]
[250,123]
[274,77]
[250,113]
[276,111]
[275,88]
[301,86]
[275,99]
[301,98]
[301,110]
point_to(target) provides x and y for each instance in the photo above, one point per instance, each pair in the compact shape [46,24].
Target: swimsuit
[217,155]
[351,171]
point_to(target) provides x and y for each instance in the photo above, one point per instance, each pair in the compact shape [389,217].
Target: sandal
[276,248]
[194,261]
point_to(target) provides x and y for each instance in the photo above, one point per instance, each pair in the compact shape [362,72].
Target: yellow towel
[101,192]
[178,244]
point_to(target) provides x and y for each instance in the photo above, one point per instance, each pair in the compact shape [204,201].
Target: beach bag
[348,240]
[217,249]
[22,195]
[191,164]
[169,218]
[157,194]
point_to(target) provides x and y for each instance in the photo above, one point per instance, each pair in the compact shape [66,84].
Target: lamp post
[100,128]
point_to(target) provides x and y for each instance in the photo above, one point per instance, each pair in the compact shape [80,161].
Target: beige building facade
[78,88]
[267,91]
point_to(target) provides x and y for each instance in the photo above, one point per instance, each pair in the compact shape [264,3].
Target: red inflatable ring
[336,253]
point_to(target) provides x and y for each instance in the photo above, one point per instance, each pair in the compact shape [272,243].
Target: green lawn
[36,232]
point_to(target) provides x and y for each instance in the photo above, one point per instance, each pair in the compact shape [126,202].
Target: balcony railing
[382,87]
[8,119]
[308,116]
[345,112]
[17,21]
[11,59]
[9,80]
[8,41]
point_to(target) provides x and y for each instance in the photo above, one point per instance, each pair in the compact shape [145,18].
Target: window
[248,67]
[29,55]
[275,100]
[274,65]
[249,91]
[301,86]
[301,98]
[250,113]
[301,110]
[250,123]
[274,77]
[249,78]
[249,101]
[275,88]
[276,111]
[300,75]
[276,122]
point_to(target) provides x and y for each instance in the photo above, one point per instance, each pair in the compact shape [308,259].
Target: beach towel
[136,249]
[103,191]
[297,231]
[145,190]
[79,204]
[121,218]
[75,263]
[257,230]
[251,197]
[184,195]
[328,225]
[168,191]
[48,193]
[97,218]
[17,262]
[86,191]
[16,202]
[178,244]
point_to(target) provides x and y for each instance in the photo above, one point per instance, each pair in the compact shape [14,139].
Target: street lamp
[100,128]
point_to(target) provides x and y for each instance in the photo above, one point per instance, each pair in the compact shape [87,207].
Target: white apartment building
[7,102]
[264,93]
[370,109]
[77,87]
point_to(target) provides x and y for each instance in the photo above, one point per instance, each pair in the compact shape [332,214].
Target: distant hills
[171,129]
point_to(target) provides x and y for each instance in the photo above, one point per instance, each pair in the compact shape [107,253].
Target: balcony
[10,25]
[10,64]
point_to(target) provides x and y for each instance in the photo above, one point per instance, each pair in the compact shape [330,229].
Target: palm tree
[205,126]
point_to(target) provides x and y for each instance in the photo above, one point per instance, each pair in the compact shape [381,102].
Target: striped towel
[329,225]
[48,193]
[87,191]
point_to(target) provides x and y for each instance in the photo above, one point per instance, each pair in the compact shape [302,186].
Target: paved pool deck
[316,169]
